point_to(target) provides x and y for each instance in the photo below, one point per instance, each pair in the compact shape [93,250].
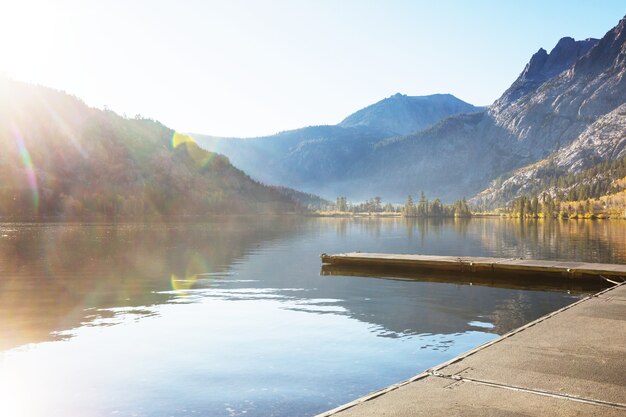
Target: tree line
[593,182]
[423,207]
[546,206]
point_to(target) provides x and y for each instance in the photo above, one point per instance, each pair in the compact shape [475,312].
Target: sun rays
[29,168]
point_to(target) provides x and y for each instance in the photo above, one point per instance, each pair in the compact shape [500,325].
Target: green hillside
[59,157]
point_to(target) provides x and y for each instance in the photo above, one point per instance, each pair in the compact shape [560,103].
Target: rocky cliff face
[543,66]
[573,119]
[603,140]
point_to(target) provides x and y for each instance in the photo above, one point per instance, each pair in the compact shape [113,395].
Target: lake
[231,317]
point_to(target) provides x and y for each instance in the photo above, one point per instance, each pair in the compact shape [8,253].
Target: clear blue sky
[245,68]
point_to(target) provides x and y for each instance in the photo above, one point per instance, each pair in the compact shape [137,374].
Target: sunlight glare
[28,166]
[16,391]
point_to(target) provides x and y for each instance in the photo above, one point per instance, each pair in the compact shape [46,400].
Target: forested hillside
[58,157]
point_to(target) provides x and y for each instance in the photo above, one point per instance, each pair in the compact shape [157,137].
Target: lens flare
[196,269]
[199,156]
[28,166]
[178,139]
[183,283]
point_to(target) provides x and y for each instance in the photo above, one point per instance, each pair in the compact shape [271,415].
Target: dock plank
[566,269]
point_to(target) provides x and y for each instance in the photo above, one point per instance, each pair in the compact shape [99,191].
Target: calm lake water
[233,318]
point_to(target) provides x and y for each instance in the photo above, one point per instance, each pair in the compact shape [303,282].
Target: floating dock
[571,362]
[481,265]
[509,280]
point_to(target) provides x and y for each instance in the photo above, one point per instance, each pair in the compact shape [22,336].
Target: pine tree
[342,204]
[422,206]
[409,207]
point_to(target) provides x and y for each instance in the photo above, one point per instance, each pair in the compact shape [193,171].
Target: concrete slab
[617,293]
[434,396]
[580,351]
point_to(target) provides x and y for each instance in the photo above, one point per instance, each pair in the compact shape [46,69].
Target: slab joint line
[544,393]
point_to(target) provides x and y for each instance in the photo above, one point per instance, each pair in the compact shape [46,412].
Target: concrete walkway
[569,363]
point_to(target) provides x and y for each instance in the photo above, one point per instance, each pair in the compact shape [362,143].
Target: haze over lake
[231,316]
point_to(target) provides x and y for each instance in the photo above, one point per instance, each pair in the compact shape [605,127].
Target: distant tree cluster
[545,206]
[436,208]
[371,205]
[531,207]
[342,204]
[423,208]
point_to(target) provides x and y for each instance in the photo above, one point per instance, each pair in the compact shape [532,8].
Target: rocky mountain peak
[610,51]
[534,66]
[543,65]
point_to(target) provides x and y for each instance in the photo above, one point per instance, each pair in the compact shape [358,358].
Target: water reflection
[231,317]
[57,277]
[580,240]
[51,274]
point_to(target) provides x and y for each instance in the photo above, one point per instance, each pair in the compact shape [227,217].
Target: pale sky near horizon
[249,68]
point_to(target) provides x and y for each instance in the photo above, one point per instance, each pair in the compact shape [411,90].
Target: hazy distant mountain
[60,157]
[401,114]
[305,158]
[319,158]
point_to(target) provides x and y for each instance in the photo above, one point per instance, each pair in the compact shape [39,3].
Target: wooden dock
[509,280]
[404,262]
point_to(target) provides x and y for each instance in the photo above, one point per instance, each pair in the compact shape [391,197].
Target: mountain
[543,66]
[402,115]
[575,119]
[556,98]
[59,157]
[584,162]
[302,158]
[319,159]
